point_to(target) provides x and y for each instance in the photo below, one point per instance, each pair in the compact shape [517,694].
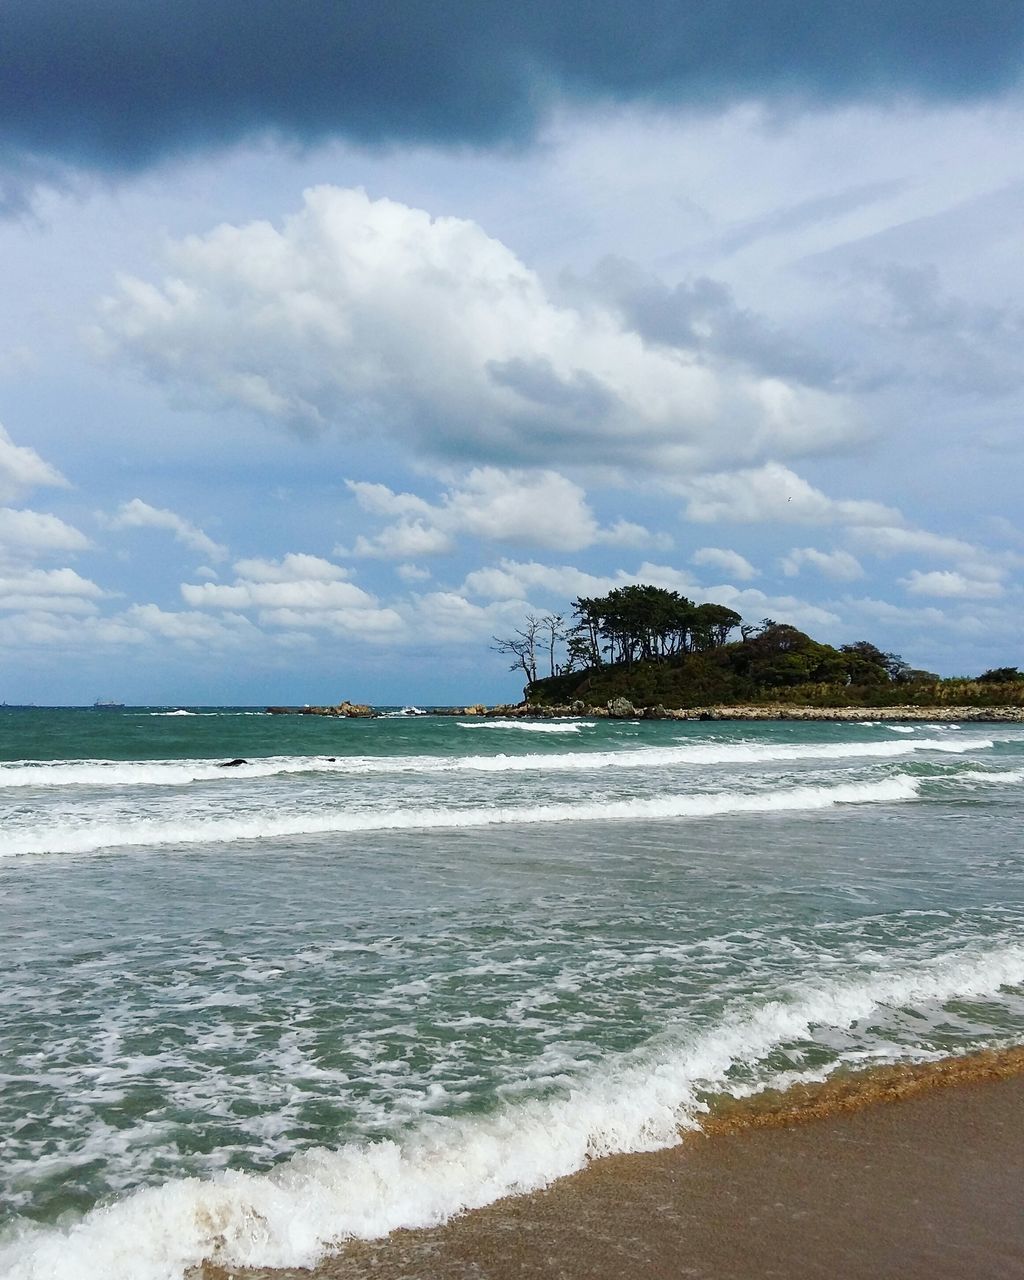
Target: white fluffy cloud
[372,315]
[140,515]
[295,566]
[775,493]
[21,469]
[537,509]
[730,562]
[839,565]
[48,591]
[949,584]
[188,626]
[35,533]
[295,593]
[888,540]
[517,579]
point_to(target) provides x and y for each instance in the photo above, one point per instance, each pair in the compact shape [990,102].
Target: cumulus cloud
[773,492]
[730,562]
[840,565]
[297,592]
[48,591]
[517,579]
[412,572]
[140,515]
[21,469]
[408,538]
[951,585]
[188,627]
[538,509]
[36,533]
[753,604]
[301,593]
[371,316]
[887,540]
[291,567]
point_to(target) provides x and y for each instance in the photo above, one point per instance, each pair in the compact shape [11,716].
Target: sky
[338,338]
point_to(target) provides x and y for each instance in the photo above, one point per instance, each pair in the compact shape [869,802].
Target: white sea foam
[93,836]
[176,773]
[531,726]
[900,728]
[991,775]
[296,1213]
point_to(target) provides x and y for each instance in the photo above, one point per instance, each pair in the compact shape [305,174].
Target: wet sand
[899,1173]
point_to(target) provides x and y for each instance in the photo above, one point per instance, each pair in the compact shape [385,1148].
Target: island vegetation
[651,646]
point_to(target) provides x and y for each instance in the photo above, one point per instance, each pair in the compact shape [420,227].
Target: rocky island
[645,653]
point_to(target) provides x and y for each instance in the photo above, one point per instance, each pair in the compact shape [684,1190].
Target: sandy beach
[898,1173]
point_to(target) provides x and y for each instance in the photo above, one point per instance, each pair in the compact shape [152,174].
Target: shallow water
[249,1010]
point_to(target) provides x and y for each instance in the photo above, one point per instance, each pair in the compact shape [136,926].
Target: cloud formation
[374,317]
[839,565]
[532,509]
[140,515]
[729,562]
[298,592]
[775,493]
[119,85]
[21,469]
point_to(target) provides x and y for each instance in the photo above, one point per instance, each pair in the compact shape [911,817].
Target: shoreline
[907,1171]
[623,709]
[620,709]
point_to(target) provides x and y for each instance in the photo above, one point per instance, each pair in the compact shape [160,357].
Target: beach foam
[177,773]
[635,1102]
[93,836]
[530,726]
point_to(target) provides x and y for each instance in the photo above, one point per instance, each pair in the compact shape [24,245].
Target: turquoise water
[387,969]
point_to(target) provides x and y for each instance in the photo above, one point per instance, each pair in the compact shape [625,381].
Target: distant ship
[107,704]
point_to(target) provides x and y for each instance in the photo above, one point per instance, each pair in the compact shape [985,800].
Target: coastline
[906,1172]
[623,709]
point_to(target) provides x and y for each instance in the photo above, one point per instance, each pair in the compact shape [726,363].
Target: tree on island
[644,624]
[630,624]
[542,634]
[652,645]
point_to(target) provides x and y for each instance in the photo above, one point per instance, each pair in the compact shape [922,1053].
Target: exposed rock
[351,710]
[231,764]
[621,709]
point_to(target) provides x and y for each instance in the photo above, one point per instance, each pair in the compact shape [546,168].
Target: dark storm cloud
[119,83]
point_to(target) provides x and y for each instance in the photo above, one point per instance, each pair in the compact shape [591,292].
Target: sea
[386,970]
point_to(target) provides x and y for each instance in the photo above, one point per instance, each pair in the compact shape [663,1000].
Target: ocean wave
[531,726]
[176,773]
[295,1214]
[94,836]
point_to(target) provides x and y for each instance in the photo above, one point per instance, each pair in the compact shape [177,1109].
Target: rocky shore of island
[623,709]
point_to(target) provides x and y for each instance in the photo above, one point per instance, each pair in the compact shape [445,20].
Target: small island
[644,652]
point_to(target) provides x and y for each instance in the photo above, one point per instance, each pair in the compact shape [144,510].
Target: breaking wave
[91,837]
[176,773]
[295,1214]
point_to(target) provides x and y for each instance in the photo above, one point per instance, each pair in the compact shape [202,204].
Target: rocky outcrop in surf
[345,709]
